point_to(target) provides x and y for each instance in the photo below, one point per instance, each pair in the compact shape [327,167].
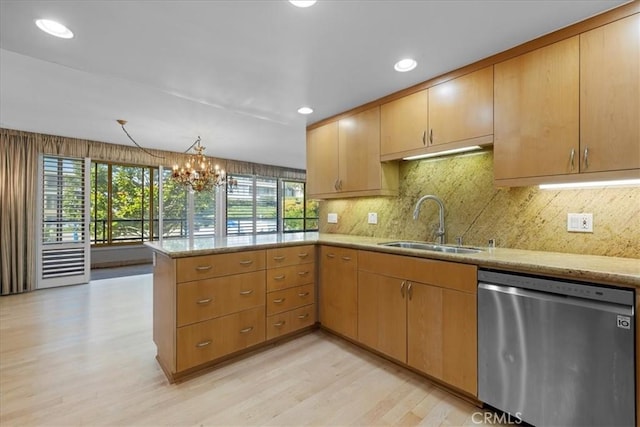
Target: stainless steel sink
[432,247]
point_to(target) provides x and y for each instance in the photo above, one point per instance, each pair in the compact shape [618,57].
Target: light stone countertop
[592,268]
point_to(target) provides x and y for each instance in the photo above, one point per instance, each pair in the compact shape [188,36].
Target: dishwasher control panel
[558,286]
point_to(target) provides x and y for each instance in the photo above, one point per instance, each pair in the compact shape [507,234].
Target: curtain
[18,189]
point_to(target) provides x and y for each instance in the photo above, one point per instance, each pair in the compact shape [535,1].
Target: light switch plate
[372,218]
[580,222]
[332,218]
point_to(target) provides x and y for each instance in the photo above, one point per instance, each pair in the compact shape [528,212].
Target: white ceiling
[235,72]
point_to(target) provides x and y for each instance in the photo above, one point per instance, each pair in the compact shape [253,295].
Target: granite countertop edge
[596,268]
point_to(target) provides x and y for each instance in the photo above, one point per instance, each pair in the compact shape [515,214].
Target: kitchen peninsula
[215,298]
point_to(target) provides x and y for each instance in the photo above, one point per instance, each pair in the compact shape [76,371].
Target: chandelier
[197,173]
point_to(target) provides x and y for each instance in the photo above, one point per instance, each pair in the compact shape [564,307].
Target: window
[252,206]
[122,203]
[298,213]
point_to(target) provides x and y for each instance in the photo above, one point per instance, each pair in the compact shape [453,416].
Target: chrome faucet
[416,213]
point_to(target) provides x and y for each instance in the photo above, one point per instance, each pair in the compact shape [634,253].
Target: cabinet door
[359,142]
[403,125]
[461,108]
[339,290]
[610,96]
[382,314]
[459,340]
[536,112]
[424,329]
[322,159]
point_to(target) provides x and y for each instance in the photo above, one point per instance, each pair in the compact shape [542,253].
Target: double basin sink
[432,247]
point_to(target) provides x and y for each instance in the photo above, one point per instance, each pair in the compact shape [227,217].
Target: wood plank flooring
[84,355]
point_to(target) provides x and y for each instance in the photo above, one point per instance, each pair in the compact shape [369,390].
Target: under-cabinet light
[591,184]
[444,153]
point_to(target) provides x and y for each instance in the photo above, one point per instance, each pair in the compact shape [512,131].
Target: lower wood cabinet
[420,312]
[338,288]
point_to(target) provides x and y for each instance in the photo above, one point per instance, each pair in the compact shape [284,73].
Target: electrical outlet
[372,218]
[332,218]
[580,222]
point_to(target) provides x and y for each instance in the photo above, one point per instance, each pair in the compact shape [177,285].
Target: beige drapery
[18,185]
[19,152]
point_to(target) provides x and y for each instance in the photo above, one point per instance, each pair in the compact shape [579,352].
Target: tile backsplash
[521,218]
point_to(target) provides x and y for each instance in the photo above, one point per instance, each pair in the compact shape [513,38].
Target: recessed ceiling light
[305,110]
[302,3]
[405,65]
[54,28]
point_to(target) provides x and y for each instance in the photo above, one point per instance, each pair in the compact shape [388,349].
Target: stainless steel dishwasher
[554,352]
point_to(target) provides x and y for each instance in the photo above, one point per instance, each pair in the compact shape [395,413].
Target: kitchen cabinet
[207,307]
[338,288]
[404,125]
[537,112]
[461,110]
[421,312]
[290,289]
[452,114]
[322,160]
[610,97]
[569,111]
[343,159]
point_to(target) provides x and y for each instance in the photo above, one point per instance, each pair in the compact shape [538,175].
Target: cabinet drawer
[278,325]
[205,341]
[242,330]
[303,317]
[205,299]
[292,255]
[197,344]
[452,275]
[287,299]
[290,321]
[206,266]
[288,277]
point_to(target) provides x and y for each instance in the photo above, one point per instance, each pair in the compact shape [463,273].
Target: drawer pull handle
[303,273]
[303,294]
[410,290]
[346,258]
[402,288]
[205,301]
[278,258]
[303,254]
[279,300]
[279,277]
[247,292]
[331,256]
[279,324]
[247,262]
[246,330]
[303,316]
[204,267]
[203,344]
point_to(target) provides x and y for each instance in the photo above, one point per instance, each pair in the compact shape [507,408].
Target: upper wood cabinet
[570,111]
[462,109]
[610,96]
[537,112]
[404,125]
[343,159]
[459,111]
[322,159]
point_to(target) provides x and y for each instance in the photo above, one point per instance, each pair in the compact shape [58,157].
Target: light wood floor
[84,355]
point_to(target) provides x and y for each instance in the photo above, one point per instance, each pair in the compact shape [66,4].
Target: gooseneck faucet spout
[416,212]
